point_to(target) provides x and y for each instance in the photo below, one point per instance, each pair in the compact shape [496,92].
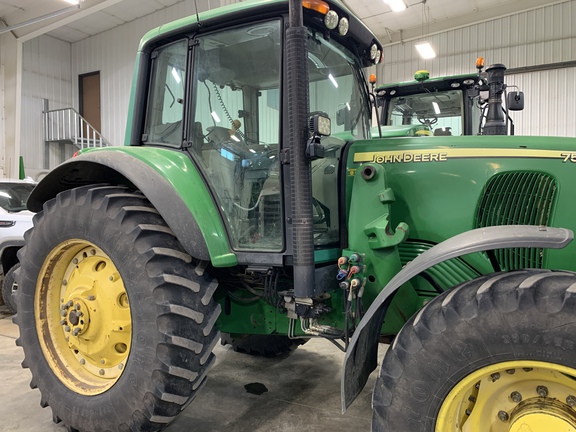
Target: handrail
[67,125]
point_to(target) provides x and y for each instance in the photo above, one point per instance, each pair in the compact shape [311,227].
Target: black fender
[121,168]
[361,356]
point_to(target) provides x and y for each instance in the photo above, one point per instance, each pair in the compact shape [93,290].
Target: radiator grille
[517,198]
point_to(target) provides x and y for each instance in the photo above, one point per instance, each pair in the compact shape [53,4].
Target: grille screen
[517,198]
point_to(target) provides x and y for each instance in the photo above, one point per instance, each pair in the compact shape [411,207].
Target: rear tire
[116,326]
[9,288]
[262,345]
[459,362]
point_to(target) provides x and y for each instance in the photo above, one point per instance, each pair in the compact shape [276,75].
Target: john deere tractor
[251,202]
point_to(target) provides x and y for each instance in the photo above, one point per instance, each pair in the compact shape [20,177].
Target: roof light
[425,50]
[372,79]
[455,84]
[378,57]
[396,5]
[373,51]
[480,63]
[331,20]
[468,81]
[176,76]
[343,26]
[436,107]
[331,77]
[316,5]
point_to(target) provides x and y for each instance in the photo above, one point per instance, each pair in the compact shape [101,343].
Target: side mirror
[515,101]
[343,117]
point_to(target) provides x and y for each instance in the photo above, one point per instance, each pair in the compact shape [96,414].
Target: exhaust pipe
[495,119]
[300,168]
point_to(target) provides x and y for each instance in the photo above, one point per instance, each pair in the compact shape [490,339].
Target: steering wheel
[429,121]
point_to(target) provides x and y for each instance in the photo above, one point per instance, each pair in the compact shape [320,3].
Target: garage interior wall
[536,37]
[51,68]
[543,36]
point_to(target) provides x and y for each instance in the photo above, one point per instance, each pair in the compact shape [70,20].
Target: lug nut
[542,391]
[82,361]
[69,304]
[468,412]
[571,400]
[111,278]
[77,306]
[101,371]
[91,297]
[120,366]
[64,282]
[516,397]
[63,322]
[92,252]
[75,332]
[495,376]
[103,361]
[67,329]
[503,416]
[477,386]
[63,313]
[472,399]
[75,261]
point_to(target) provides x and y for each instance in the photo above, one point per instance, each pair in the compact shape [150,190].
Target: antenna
[197,15]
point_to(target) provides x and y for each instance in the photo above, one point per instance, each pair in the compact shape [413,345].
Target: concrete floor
[303,393]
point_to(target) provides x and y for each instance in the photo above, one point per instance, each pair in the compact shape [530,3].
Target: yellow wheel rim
[516,396]
[83,317]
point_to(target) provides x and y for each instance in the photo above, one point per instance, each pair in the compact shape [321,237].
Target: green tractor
[443,106]
[250,201]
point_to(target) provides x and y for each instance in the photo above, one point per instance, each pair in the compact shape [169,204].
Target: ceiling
[95,16]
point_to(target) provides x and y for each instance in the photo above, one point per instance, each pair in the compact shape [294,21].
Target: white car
[15,220]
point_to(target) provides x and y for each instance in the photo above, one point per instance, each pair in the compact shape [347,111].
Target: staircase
[67,126]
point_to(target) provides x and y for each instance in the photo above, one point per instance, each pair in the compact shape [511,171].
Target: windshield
[337,87]
[442,111]
[13,196]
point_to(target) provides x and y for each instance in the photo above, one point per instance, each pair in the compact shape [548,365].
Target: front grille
[517,198]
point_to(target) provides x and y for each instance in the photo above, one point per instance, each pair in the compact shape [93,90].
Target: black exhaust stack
[300,168]
[495,119]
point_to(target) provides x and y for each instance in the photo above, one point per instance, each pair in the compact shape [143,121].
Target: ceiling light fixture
[73,2]
[436,107]
[425,50]
[396,5]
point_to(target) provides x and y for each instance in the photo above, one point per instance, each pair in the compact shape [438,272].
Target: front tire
[494,354]
[116,326]
[262,345]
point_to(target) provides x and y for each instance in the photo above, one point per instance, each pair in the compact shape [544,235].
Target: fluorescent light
[215,116]
[176,76]
[348,106]
[396,5]
[235,138]
[333,80]
[74,2]
[436,107]
[425,50]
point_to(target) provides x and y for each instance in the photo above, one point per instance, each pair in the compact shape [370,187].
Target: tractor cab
[219,96]
[445,106]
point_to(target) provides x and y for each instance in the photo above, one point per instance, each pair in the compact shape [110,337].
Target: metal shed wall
[46,75]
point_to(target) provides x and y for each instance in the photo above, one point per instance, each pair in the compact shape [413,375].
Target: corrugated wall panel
[541,36]
[113,54]
[45,75]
